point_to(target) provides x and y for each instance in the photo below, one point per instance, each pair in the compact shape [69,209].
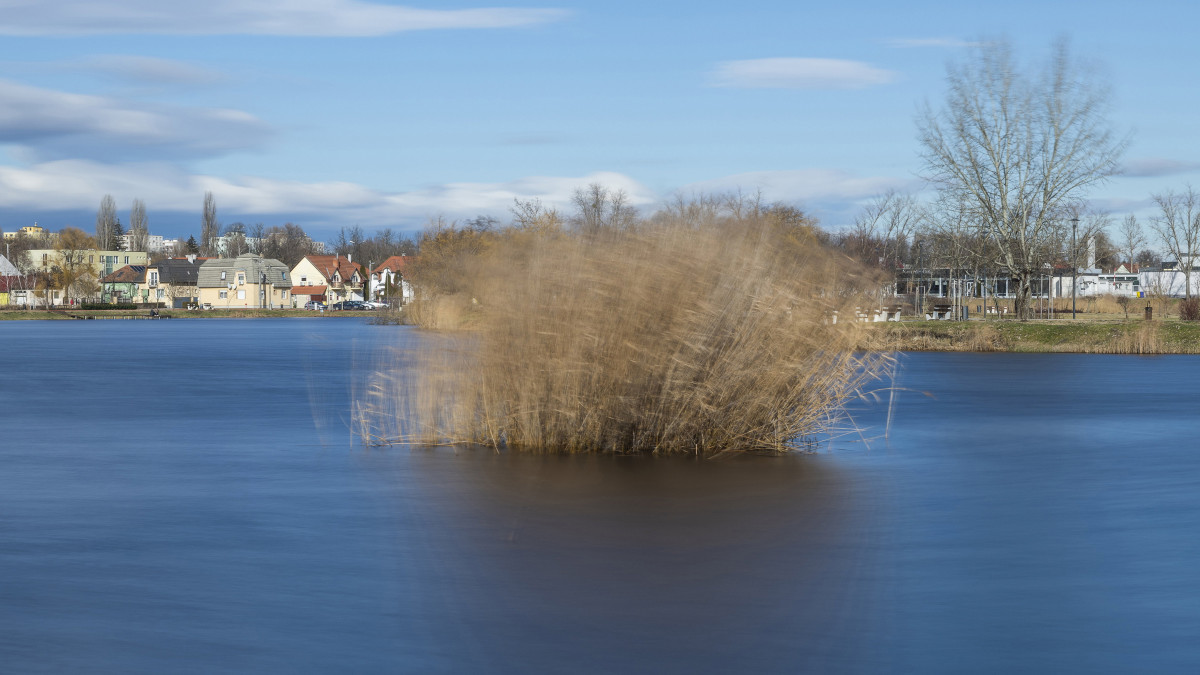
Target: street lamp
[1074,266]
[920,280]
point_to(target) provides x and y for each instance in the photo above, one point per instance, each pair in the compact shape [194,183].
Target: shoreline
[1049,336]
[69,314]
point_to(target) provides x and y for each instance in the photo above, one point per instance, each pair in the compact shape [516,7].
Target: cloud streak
[808,185]
[47,124]
[1152,167]
[328,18]
[149,70]
[799,73]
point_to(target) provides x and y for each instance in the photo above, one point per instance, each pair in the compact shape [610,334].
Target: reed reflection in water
[603,564]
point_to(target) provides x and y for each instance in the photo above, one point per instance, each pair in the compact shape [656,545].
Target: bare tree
[287,244]
[139,227]
[106,224]
[1019,148]
[884,227]
[210,227]
[1131,239]
[255,236]
[532,216]
[1178,228]
[596,207]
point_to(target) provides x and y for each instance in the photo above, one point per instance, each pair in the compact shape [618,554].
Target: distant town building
[34,231]
[102,263]
[154,242]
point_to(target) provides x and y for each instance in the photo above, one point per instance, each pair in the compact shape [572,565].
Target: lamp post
[920,280]
[1074,266]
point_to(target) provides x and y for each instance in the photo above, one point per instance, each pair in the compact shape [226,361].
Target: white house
[388,281]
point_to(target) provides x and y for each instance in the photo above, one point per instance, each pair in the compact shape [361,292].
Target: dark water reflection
[185,497]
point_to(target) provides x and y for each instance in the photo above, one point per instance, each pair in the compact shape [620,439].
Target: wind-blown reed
[670,339]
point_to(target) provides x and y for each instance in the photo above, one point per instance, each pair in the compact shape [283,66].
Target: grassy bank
[1061,336]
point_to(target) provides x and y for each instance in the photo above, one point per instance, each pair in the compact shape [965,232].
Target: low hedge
[123,305]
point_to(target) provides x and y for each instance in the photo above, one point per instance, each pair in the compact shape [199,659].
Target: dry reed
[673,338]
[1144,337]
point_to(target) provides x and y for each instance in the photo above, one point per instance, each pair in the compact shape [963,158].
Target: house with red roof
[327,278]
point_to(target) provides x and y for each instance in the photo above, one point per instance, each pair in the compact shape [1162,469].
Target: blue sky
[332,113]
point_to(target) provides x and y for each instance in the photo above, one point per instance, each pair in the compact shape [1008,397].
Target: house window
[222,276]
[241,294]
[283,294]
[91,258]
[126,260]
[241,278]
[224,295]
[161,294]
[303,279]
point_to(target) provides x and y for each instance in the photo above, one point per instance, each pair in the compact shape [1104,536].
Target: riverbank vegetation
[1057,336]
[703,330]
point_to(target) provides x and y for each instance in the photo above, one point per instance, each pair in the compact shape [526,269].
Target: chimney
[191,257]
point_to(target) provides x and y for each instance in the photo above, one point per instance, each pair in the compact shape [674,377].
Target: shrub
[1189,309]
[122,305]
[672,338]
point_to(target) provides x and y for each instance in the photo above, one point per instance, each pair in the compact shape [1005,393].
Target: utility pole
[1074,266]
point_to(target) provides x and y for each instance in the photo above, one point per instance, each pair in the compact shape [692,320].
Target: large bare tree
[139,227]
[106,224]
[210,228]
[1019,147]
[1178,228]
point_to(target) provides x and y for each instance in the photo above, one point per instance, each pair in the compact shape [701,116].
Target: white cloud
[53,124]
[342,18]
[78,185]
[799,73]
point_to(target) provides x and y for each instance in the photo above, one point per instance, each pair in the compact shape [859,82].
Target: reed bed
[668,338]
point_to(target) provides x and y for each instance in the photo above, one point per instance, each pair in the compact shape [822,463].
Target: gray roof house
[173,281]
[248,281]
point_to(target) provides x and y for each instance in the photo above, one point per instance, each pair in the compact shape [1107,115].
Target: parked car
[314,305]
[349,305]
[371,304]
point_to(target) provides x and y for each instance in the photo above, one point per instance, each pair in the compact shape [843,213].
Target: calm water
[185,496]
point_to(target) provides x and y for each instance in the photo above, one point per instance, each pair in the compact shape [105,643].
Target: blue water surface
[188,496]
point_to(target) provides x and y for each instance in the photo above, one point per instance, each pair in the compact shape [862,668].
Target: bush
[1189,309]
[670,339]
[123,305]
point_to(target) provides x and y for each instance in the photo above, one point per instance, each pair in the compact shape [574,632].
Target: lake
[187,496]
